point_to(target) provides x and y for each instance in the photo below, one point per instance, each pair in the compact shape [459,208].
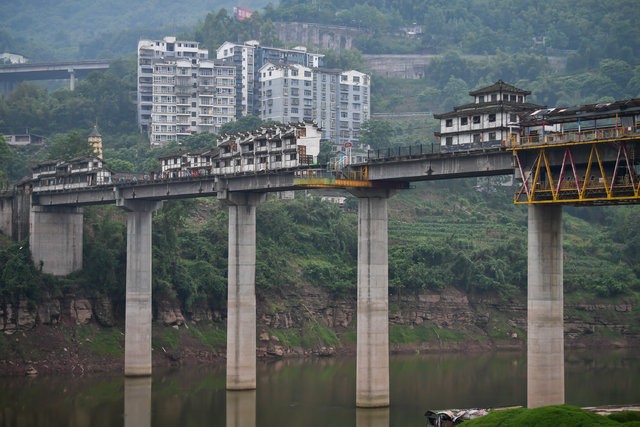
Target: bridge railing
[403,151]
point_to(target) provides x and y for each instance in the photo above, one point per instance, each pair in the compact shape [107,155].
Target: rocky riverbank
[79,333]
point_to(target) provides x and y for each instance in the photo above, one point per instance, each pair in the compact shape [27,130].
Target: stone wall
[317,36]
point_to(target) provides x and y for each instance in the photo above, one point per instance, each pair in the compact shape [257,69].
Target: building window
[464,121]
[477,137]
[492,118]
[449,141]
[492,136]
[494,97]
[513,118]
[448,123]
[481,98]
[476,120]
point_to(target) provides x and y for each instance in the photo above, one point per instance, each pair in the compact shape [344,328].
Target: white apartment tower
[248,58]
[180,91]
[337,101]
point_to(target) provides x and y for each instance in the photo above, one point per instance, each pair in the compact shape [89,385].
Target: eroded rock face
[80,310]
[103,310]
[49,312]
[169,313]
[26,318]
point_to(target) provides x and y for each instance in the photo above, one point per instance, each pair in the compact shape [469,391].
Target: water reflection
[137,402]
[308,392]
[241,408]
[372,417]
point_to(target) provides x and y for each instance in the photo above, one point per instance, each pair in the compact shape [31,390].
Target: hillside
[457,256]
[46,30]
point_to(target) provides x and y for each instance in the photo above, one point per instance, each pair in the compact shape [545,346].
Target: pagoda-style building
[491,118]
[95,139]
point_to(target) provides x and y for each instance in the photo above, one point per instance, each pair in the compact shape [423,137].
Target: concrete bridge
[12,74]
[56,241]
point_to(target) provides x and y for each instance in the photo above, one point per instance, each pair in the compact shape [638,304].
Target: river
[308,392]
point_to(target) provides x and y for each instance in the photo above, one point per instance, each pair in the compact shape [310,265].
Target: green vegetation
[101,341]
[312,335]
[212,337]
[560,415]
[425,333]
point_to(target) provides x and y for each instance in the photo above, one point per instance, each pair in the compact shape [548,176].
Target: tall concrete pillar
[545,337]
[137,339]
[137,402]
[372,359]
[55,238]
[6,215]
[72,79]
[241,302]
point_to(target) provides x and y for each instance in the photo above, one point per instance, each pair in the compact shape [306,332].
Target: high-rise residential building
[338,101]
[249,58]
[181,91]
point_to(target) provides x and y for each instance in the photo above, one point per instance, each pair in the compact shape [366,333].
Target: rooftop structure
[493,116]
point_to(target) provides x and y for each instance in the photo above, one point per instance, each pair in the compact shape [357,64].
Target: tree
[5,160]
[69,146]
[377,134]
[244,124]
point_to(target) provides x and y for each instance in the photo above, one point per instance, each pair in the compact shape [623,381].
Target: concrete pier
[545,335]
[137,340]
[241,302]
[372,360]
[55,239]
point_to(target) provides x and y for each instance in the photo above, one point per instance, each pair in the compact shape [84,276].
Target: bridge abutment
[372,359]
[137,341]
[55,238]
[241,302]
[545,335]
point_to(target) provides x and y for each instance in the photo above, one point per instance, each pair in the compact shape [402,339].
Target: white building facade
[180,91]
[338,102]
[492,117]
[248,58]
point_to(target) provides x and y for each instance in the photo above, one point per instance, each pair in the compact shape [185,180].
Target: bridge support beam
[137,339]
[241,303]
[545,335]
[55,239]
[372,359]
[72,79]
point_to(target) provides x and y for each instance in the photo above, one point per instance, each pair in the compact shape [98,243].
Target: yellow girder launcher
[581,155]
[352,177]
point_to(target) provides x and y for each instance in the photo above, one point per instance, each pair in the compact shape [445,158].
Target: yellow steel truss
[545,182]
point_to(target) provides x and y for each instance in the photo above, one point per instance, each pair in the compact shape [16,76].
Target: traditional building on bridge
[492,117]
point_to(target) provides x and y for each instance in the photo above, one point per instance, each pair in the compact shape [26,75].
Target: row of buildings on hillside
[182,91]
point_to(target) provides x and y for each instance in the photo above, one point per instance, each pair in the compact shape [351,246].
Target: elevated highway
[12,74]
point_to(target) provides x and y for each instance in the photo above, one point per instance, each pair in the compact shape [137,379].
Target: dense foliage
[559,415]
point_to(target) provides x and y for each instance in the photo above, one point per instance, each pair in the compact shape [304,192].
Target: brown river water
[309,392]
